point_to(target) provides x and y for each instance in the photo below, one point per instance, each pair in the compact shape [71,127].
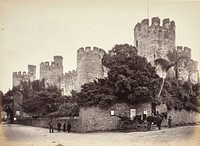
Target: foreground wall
[184,117]
[97,119]
[43,122]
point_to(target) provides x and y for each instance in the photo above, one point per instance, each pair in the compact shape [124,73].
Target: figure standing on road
[170,122]
[69,127]
[58,125]
[51,125]
[64,127]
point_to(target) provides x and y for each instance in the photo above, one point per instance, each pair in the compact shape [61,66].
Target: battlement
[89,49]
[71,73]
[19,74]
[58,57]
[57,62]
[155,22]
[31,72]
[183,51]
[31,66]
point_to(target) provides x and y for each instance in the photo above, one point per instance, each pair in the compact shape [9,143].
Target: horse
[156,119]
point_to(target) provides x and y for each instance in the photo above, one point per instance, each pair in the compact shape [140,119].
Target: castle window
[137,43]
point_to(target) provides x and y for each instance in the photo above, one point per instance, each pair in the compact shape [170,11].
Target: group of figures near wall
[52,126]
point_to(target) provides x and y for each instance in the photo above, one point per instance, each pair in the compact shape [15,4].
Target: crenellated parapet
[183,52]
[154,40]
[54,65]
[70,74]
[96,50]
[155,24]
[24,76]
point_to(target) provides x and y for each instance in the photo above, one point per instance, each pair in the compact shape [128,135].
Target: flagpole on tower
[148,9]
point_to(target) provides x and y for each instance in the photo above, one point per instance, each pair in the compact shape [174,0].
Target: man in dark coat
[64,127]
[69,127]
[51,125]
[59,125]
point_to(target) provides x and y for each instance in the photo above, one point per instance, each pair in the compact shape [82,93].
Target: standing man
[51,125]
[59,125]
[64,127]
[69,127]
[170,122]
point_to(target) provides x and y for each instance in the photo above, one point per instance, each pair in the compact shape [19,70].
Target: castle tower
[89,66]
[32,72]
[58,60]
[52,73]
[155,41]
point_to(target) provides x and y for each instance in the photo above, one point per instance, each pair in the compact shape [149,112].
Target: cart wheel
[144,126]
[125,126]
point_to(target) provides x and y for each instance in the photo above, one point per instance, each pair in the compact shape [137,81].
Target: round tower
[155,41]
[89,66]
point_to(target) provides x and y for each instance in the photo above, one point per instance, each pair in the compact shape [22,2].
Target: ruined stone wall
[89,66]
[19,76]
[155,41]
[52,73]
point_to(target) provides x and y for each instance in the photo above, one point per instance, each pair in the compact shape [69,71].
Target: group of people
[59,125]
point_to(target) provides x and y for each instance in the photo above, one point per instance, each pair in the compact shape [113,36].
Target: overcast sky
[32,31]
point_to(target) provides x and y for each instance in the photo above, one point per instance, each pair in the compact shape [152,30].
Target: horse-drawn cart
[137,124]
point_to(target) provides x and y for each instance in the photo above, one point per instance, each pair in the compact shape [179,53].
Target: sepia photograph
[99,73]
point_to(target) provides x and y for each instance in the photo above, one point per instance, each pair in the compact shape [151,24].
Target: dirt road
[19,135]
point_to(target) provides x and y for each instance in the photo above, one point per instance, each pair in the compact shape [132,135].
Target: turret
[155,41]
[58,60]
[183,52]
[89,65]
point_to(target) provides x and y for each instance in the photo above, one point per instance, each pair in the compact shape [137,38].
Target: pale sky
[32,31]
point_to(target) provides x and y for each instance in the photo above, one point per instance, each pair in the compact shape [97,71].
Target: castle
[152,41]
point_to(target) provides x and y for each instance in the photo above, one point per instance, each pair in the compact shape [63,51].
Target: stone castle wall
[52,73]
[69,82]
[19,76]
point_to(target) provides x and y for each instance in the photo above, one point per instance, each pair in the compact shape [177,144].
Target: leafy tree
[130,79]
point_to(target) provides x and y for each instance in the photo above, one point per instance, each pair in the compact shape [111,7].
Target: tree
[130,79]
